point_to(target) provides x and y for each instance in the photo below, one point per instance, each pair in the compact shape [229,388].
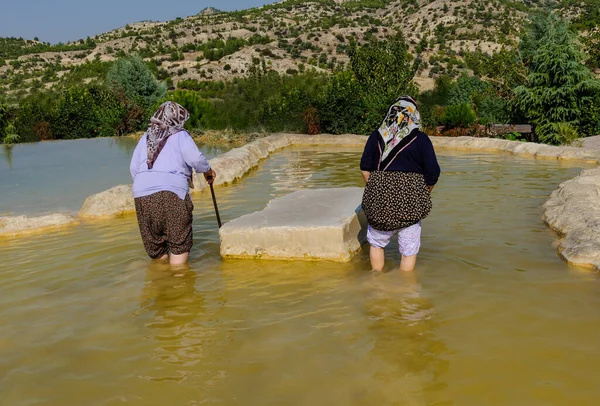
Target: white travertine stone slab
[16,225]
[310,224]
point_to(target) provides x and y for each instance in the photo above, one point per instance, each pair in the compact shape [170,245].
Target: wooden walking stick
[212,191]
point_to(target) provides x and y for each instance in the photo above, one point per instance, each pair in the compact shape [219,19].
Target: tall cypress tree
[560,90]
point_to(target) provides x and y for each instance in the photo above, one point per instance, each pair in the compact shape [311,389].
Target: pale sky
[68,20]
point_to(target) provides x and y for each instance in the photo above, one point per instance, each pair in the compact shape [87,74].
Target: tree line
[546,81]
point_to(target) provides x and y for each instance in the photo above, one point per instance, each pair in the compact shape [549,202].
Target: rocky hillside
[291,36]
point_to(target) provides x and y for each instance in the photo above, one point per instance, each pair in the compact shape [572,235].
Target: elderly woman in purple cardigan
[161,168]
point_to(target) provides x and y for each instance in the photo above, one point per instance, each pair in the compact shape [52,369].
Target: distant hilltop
[209,11]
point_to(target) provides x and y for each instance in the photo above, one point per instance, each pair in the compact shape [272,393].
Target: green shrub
[432,100]
[264,100]
[82,112]
[490,108]
[341,108]
[466,88]
[77,112]
[8,132]
[384,72]
[565,133]
[458,115]
[198,107]
[33,110]
[511,136]
[132,77]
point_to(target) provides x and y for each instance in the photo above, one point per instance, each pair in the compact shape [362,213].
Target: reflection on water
[175,311]
[57,176]
[491,316]
[7,154]
[403,326]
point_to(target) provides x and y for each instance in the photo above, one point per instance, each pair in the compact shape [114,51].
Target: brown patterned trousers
[165,223]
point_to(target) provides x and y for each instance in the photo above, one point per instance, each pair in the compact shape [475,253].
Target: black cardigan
[418,157]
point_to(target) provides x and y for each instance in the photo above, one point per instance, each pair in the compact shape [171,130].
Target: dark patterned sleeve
[431,168]
[370,156]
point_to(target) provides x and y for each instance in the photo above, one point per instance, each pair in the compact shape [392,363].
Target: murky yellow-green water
[492,316]
[57,176]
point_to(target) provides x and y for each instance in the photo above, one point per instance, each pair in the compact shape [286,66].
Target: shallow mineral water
[491,316]
[57,176]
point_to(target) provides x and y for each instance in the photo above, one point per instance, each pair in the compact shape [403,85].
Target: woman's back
[172,168]
[418,156]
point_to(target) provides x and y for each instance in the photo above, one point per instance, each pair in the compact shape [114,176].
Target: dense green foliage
[8,134]
[78,112]
[134,79]
[458,115]
[544,81]
[383,72]
[95,110]
[265,100]
[592,47]
[559,88]
[341,107]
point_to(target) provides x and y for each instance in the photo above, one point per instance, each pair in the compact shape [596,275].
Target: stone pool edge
[14,226]
[570,210]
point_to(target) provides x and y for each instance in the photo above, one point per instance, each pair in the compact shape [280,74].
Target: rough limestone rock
[15,225]
[114,202]
[591,142]
[310,224]
[573,210]
[517,148]
[234,164]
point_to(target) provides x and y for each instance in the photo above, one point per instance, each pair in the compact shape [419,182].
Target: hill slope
[291,36]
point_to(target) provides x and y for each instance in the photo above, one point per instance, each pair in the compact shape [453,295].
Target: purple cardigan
[172,169]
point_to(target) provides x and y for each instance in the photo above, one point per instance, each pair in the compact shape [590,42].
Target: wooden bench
[509,128]
[525,130]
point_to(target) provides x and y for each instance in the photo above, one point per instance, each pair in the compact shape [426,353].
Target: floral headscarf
[166,121]
[401,119]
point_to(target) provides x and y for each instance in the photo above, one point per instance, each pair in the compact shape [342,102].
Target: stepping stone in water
[310,224]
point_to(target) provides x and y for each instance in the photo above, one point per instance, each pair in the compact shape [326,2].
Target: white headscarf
[401,119]
[166,121]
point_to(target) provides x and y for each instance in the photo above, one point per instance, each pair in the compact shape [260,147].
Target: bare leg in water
[407,264]
[179,259]
[174,259]
[377,258]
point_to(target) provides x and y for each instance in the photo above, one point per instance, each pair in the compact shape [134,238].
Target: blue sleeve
[431,168]
[192,155]
[370,156]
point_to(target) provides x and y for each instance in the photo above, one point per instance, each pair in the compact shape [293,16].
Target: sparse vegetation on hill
[307,66]
[214,45]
